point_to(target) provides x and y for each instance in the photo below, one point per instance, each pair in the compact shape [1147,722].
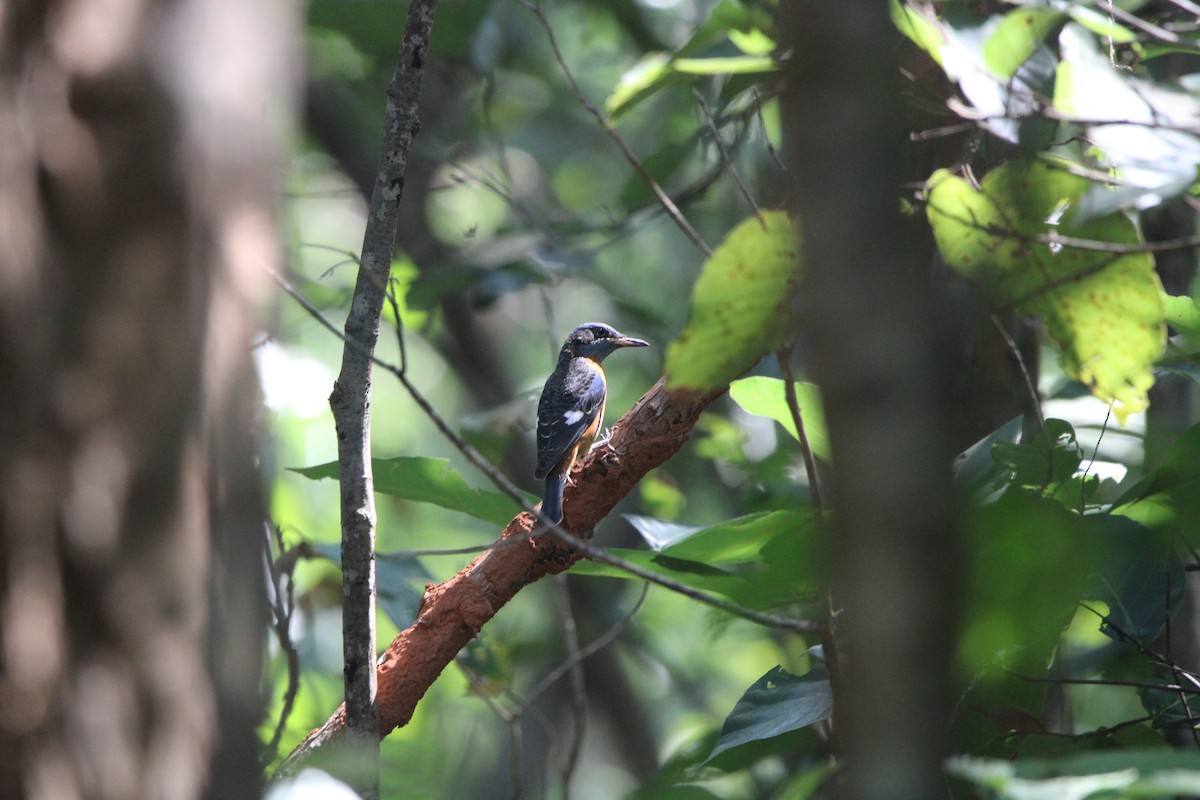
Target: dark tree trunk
[873,347]
[137,185]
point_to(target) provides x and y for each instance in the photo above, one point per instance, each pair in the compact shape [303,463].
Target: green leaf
[732,65]
[1102,24]
[1184,315]
[776,703]
[772,585]
[694,574]
[1016,37]
[1104,311]
[1142,773]
[740,539]
[919,28]
[660,533]
[766,397]
[1028,565]
[639,82]
[430,480]
[741,304]
[976,470]
[1052,456]
[1137,573]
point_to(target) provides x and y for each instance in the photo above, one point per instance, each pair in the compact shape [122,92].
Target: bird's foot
[604,439]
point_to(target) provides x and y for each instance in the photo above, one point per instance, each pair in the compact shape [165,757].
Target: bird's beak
[629,341]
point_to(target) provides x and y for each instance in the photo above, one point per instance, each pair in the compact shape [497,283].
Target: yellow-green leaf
[732,65]
[766,397]
[741,304]
[1104,310]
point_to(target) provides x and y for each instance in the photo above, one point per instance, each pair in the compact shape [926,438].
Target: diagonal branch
[453,612]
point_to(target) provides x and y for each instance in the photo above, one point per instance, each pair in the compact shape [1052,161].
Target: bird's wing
[564,415]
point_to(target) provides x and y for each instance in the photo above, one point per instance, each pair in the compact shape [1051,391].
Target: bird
[571,408]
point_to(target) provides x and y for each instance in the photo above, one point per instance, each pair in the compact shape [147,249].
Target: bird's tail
[553,496]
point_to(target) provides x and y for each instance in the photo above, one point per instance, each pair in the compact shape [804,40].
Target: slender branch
[578,689]
[282,602]
[593,647]
[1119,248]
[715,132]
[810,462]
[1035,398]
[513,721]
[350,400]
[535,6]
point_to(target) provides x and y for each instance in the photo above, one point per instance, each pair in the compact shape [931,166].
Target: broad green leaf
[1137,572]
[1052,456]
[430,480]
[741,304]
[694,574]
[1028,565]
[1016,37]
[1168,499]
[976,470]
[1103,310]
[756,589]
[1124,773]
[660,533]
[1102,25]
[766,397]
[739,539]
[777,703]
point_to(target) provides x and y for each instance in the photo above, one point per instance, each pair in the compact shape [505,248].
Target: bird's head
[595,340]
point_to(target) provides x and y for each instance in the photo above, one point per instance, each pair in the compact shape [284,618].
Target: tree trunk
[137,186]
[874,348]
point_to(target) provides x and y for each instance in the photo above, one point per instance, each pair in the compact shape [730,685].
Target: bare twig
[828,633]
[725,159]
[593,647]
[1092,462]
[282,602]
[578,690]
[1035,398]
[668,205]
[1119,248]
[513,721]
[810,462]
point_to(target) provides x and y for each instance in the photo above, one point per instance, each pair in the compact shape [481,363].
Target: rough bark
[136,215]
[350,399]
[871,343]
[453,612]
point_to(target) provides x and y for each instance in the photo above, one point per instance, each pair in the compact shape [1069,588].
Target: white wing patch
[572,416]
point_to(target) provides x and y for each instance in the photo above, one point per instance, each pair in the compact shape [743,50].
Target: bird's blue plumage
[571,408]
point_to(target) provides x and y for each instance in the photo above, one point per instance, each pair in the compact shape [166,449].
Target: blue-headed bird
[572,407]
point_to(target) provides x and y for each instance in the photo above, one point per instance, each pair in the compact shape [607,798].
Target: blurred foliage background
[522,219]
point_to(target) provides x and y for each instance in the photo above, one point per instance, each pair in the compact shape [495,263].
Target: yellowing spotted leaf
[1104,310]
[741,304]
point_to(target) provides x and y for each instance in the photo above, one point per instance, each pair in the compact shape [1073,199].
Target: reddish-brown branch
[452,613]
